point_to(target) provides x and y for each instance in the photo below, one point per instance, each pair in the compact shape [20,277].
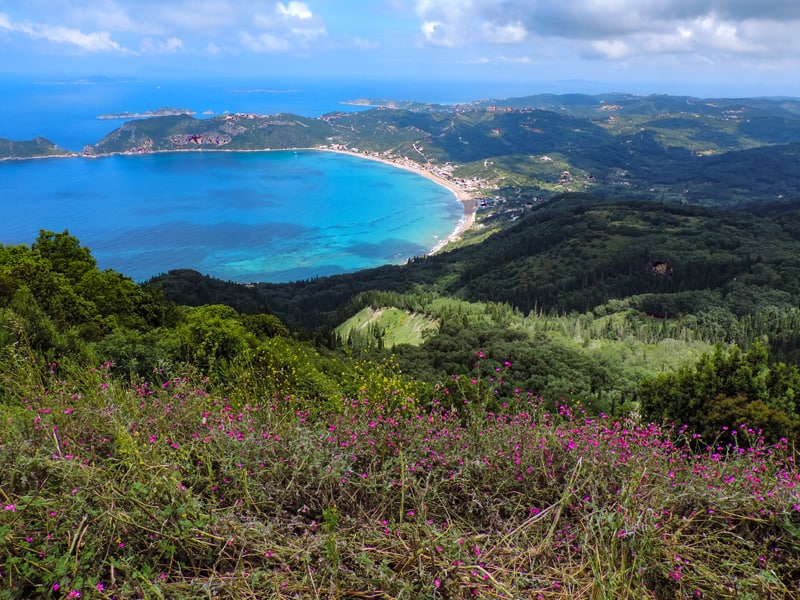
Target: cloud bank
[388,38]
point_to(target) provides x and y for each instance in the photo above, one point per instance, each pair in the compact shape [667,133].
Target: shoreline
[468,201]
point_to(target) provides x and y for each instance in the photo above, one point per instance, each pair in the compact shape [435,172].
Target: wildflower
[10,507]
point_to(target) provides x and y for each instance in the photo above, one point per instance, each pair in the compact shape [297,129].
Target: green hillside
[595,399]
[154,449]
[35,148]
[663,148]
[386,327]
[574,254]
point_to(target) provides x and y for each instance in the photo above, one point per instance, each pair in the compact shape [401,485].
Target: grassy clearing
[394,326]
[168,489]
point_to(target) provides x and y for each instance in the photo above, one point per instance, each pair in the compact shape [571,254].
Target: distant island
[160,112]
[386,103]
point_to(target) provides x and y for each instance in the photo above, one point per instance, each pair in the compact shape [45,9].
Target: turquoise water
[261,216]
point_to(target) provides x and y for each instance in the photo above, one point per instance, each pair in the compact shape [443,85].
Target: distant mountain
[524,150]
[663,148]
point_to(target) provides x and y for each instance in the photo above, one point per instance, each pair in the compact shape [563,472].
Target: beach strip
[468,200]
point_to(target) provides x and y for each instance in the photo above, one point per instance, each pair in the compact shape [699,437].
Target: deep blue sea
[266,216]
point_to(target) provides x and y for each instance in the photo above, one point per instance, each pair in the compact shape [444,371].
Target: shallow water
[260,216]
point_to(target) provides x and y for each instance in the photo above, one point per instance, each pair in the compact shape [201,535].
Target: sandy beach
[467,199]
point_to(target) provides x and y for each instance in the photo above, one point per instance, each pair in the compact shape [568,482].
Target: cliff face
[36,147]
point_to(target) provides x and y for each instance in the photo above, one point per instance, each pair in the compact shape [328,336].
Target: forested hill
[663,148]
[575,253]
[35,148]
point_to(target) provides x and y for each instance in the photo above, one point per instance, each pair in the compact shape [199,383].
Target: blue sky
[731,47]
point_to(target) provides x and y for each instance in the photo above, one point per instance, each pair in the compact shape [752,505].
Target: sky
[697,47]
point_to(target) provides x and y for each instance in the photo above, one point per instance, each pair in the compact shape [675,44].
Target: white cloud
[437,33]
[307,34]
[289,26]
[614,49]
[443,22]
[168,46]
[520,60]
[618,29]
[265,42]
[297,10]
[429,29]
[95,41]
[506,60]
[511,33]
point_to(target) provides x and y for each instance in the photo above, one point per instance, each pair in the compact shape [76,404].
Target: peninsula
[514,153]
[36,148]
[161,112]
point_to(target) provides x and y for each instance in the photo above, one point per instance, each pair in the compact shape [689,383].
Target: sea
[245,217]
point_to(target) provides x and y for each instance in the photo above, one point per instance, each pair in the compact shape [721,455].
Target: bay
[255,216]
[261,217]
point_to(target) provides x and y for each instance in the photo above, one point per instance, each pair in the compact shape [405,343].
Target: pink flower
[10,507]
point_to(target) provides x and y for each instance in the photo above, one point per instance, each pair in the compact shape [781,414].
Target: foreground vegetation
[165,487]
[149,449]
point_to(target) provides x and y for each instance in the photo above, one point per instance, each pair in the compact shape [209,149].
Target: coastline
[468,201]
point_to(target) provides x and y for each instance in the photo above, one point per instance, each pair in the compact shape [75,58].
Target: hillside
[436,443]
[36,148]
[663,148]
[152,449]
[574,253]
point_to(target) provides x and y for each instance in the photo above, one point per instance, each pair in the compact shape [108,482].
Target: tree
[64,253]
[724,390]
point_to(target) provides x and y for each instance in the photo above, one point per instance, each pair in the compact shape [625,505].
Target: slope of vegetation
[728,276]
[597,401]
[149,449]
[386,327]
[35,148]
[167,488]
[688,150]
